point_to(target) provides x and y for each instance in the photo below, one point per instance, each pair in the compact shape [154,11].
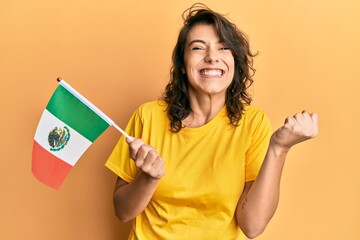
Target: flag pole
[94,108]
[123,132]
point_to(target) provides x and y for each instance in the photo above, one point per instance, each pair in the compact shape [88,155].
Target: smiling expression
[209,64]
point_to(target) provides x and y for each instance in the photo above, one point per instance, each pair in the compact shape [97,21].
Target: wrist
[149,179]
[278,150]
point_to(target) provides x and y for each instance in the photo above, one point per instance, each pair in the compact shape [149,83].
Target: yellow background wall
[117,54]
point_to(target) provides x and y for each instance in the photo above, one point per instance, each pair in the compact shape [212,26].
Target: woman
[222,164]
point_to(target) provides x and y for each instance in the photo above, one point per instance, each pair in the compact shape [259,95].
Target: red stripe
[48,168]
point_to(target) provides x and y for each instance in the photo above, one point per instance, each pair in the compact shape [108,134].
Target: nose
[211,56]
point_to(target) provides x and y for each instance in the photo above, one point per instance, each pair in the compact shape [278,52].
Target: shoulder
[253,112]
[255,116]
[152,108]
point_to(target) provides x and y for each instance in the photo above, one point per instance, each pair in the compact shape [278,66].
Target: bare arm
[260,198]
[130,199]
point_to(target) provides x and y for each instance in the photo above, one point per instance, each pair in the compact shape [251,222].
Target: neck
[203,109]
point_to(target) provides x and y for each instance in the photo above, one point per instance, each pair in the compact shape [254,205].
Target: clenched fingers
[297,128]
[146,158]
[154,168]
[303,124]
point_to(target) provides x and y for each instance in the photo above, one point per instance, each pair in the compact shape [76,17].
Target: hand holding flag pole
[68,126]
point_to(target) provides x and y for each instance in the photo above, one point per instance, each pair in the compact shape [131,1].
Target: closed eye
[197,44]
[196,48]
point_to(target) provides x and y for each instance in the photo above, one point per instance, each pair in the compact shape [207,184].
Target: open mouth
[212,72]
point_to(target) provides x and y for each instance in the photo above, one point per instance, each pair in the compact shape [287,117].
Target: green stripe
[69,109]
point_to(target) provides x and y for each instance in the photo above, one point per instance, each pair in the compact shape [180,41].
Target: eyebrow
[200,41]
[197,40]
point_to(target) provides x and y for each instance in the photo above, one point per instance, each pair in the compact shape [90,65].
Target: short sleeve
[119,161]
[259,144]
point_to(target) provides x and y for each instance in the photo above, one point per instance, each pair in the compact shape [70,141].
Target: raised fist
[296,129]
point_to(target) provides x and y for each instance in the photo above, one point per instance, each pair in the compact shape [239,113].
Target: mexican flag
[68,126]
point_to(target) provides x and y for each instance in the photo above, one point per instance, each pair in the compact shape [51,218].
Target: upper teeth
[211,72]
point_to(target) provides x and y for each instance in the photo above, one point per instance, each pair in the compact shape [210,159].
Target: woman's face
[209,64]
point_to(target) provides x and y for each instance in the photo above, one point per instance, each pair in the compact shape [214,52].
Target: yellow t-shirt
[206,168]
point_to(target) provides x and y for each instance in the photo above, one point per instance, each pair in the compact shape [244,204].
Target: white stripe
[86,102]
[75,147]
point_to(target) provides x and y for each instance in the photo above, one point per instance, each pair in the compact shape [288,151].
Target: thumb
[129,139]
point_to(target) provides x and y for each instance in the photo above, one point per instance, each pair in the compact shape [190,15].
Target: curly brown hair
[176,93]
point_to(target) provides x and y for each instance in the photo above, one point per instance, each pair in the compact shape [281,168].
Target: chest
[203,169]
